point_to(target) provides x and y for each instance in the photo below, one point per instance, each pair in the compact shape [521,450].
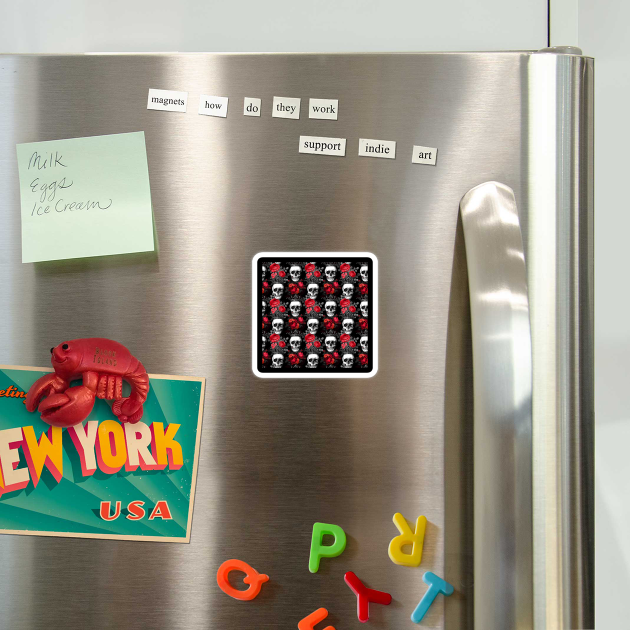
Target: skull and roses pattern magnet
[315,314]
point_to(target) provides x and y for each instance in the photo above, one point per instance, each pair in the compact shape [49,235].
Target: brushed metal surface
[560,275]
[275,455]
[502,369]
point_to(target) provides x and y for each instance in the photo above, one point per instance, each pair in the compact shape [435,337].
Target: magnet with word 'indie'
[365,595]
[102,364]
[436,586]
[407,537]
[252,577]
[319,550]
[309,623]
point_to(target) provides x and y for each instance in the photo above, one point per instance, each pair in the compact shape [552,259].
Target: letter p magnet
[319,551]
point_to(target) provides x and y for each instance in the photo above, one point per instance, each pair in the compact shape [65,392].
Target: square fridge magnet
[315,315]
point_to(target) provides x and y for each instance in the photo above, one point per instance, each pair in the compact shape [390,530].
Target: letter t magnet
[407,537]
[436,586]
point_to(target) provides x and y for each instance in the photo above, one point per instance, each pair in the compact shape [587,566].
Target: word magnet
[319,551]
[407,537]
[252,577]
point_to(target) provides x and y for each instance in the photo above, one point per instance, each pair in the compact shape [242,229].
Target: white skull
[264,271]
[311,326]
[347,361]
[330,342]
[295,342]
[312,360]
[346,291]
[346,326]
[294,307]
[330,307]
[264,306]
[276,326]
[311,291]
[330,273]
[294,272]
[364,273]
[277,360]
[276,291]
[364,343]
[264,341]
[364,308]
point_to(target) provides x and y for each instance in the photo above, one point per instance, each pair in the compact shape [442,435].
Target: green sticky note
[85,197]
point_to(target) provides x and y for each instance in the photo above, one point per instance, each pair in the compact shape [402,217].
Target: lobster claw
[43,386]
[68,408]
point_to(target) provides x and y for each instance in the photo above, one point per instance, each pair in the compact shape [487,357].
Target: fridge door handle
[502,374]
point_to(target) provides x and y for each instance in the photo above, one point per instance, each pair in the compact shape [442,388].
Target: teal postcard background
[72,505]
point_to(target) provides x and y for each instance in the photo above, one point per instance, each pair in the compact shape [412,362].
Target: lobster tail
[130,409]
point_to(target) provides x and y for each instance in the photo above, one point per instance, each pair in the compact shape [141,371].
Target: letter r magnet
[407,537]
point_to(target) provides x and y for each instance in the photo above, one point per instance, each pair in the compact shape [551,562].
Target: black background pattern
[270,272]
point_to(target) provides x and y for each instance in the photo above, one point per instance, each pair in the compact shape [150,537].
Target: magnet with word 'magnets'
[252,577]
[407,537]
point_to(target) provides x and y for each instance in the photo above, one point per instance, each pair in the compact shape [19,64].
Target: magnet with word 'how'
[436,586]
[319,550]
[407,537]
[309,623]
[252,577]
[365,595]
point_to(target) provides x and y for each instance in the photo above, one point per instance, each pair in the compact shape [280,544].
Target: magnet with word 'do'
[252,577]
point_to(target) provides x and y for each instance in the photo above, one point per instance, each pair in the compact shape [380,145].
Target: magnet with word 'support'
[407,537]
[309,623]
[365,595]
[319,551]
[252,577]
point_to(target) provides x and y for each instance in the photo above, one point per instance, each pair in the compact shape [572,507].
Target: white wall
[604,29]
[37,26]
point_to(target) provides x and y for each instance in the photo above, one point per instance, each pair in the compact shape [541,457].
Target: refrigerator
[474,406]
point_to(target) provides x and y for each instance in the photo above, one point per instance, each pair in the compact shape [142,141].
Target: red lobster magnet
[102,364]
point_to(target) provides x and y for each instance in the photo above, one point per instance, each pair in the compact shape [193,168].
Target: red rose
[363,359]
[293,324]
[363,288]
[329,324]
[276,307]
[328,288]
[346,342]
[265,323]
[276,342]
[363,323]
[346,306]
[311,307]
[295,288]
[311,342]
[294,359]
[276,271]
[346,271]
[265,288]
[329,359]
[265,357]
[311,271]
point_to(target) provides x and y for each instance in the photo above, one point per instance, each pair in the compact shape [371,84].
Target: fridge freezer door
[502,373]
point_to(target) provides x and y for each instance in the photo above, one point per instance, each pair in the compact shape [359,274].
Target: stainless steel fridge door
[279,455]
